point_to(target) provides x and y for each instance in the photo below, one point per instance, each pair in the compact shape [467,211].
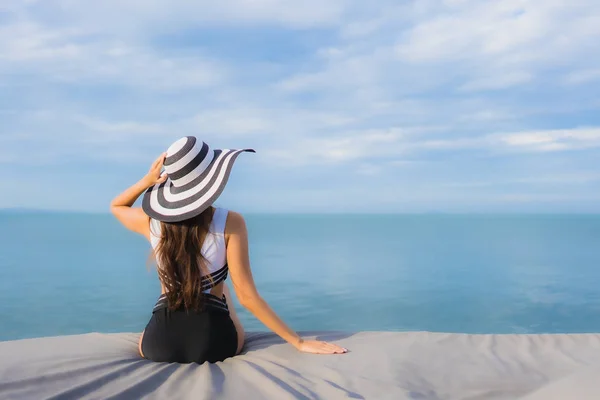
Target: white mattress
[380,365]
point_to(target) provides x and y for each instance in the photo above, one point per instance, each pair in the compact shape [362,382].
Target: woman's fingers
[319,347]
[156,168]
[162,178]
[329,348]
[336,349]
[159,161]
[333,351]
[333,347]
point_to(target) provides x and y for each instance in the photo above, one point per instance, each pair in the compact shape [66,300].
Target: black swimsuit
[189,336]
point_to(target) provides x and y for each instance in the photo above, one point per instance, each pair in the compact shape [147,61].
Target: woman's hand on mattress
[318,347]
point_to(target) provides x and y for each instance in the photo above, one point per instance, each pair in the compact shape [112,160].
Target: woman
[196,246]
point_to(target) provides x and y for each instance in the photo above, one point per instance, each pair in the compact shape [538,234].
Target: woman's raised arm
[135,219]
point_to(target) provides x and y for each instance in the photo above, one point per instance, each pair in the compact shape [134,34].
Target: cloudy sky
[352,106]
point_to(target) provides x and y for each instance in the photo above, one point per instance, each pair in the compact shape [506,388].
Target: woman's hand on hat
[319,347]
[154,175]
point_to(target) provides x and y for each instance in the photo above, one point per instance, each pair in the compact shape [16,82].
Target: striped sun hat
[196,176]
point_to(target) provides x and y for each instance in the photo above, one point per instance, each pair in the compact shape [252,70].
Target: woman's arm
[135,219]
[239,266]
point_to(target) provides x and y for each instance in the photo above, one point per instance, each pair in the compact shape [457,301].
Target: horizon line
[19,210]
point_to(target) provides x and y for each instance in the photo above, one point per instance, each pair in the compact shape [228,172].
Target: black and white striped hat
[196,176]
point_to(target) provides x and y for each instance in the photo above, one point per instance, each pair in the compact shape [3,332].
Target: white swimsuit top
[213,248]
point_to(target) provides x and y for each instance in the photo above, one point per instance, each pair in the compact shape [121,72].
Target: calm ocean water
[75,273]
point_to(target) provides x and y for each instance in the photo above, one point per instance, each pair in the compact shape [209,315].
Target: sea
[69,273]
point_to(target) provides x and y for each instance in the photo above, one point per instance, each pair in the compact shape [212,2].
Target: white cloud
[78,53]
[488,45]
[528,141]
[562,179]
[115,129]
[464,29]
[67,132]
[509,31]
[575,178]
[133,16]
[498,81]
[374,87]
[387,144]
[405,163]
[552,140]
[27,41]
[368,169]
[544,198]
[343,148]
[232,122]
[502,44]
[583,76]
[71,55]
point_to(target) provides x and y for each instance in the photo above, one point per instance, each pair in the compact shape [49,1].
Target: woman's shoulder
[235,222]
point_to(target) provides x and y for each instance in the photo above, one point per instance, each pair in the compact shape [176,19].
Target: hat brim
[167,203]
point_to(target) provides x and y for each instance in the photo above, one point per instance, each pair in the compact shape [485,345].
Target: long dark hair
[181,264]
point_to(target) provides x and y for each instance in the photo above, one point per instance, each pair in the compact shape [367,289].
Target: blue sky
[352,106]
